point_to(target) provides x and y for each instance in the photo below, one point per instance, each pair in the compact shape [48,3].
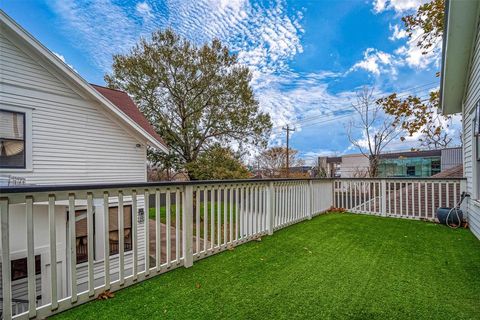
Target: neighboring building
[354,166]
[423,163]
[410,164]
[451,158]
[55,128]
[460,91]
[347,166]
[330,166]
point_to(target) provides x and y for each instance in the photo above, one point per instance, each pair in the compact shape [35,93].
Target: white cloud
[61,57]
[415,57]
[407,54]
[398,33]
[376,62]
[144,10]
[265,36]
[399,6]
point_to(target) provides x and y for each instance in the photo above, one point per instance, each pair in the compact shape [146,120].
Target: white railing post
[334,182]
[310,199]
[6,272]
[383,187]
[270,207]
[188,226]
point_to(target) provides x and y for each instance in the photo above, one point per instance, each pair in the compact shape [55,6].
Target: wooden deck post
[383,187]
[6,275]
[188,226]
[270,207]
[310,199]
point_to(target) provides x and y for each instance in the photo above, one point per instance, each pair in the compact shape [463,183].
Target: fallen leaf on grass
[106,295]
[198,285]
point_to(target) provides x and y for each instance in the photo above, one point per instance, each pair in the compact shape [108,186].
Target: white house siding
[451,157]
[74,140]
[471,169]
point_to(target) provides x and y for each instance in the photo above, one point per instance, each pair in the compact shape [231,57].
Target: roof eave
[458,41]
[77,79]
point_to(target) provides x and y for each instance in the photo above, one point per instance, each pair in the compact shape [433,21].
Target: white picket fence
[405,198]
[192,220]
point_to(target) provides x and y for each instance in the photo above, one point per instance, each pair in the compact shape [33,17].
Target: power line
[349,108]
[321,121]
[327,120]
[427,86]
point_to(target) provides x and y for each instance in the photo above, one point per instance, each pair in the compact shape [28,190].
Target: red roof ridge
[124,103]
[105,87]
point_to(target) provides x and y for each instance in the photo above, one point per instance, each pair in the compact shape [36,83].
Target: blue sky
[308,58]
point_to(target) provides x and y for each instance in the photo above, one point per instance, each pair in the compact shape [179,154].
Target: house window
[12,139]
[19,268]
[436,167]
[113,228]
[81,233]
[410,171]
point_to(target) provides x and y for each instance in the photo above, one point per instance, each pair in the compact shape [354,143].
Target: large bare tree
[377,129]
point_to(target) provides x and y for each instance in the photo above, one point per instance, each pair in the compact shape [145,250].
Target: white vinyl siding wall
[471,168]
[451,157]
[74,140]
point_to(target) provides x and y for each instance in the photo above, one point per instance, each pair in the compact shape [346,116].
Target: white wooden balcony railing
[172,225]
[405,198]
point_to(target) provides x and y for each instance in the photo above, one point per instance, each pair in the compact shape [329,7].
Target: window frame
[27,136]
[110,254]
[78,209]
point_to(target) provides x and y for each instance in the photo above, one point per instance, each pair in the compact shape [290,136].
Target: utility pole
[288,129]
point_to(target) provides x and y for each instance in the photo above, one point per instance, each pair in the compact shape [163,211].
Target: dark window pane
[411,171]
[81,235]
[19,268]
[113,227]
[436,167]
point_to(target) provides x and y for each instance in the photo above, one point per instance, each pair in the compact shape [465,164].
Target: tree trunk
[373,169]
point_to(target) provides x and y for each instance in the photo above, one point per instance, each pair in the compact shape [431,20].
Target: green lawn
[336,266]
[163,216]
